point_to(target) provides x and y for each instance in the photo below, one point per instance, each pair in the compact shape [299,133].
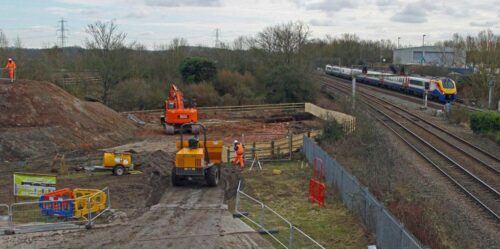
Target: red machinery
[176,114]
[316,185]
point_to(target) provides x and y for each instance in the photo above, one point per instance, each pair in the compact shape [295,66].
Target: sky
[157,22]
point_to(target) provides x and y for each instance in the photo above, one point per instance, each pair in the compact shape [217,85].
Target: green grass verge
[333,226]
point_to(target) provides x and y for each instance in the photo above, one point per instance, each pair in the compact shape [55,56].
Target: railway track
[413,98]
[473,170]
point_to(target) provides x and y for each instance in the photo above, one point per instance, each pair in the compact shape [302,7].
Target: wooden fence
[347,121]
[278,149]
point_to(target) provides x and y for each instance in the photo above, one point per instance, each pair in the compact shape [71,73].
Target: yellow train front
[445,90]
[197,160]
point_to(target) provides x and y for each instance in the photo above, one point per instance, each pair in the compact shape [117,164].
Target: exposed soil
[38,118]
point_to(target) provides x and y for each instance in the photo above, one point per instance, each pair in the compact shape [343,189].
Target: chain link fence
[389,232]
[271,224]
[54,214]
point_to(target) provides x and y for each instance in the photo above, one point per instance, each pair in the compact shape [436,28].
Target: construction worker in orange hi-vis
[11,67]
[239,158]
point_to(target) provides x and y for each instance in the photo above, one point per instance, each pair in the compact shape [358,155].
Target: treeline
[268,68]
[275,65]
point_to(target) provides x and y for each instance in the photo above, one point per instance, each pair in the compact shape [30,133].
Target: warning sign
[33,185]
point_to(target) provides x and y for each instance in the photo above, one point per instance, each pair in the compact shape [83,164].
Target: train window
[447,83]
[416,82]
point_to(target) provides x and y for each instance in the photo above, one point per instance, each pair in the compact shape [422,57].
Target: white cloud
[140,13]
[327,6]
[485,24]
[321,22]
[156,21]
[411,13]
[178,3]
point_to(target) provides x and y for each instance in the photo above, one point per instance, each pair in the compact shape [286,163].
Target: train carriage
[440,89]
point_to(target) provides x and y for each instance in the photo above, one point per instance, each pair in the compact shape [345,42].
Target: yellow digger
[197,159]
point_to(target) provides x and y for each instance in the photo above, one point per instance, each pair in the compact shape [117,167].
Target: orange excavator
[176,114]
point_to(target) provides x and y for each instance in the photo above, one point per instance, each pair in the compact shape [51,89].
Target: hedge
[485,122]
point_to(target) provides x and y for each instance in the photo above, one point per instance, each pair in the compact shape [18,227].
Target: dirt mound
[157,167]
[39,118]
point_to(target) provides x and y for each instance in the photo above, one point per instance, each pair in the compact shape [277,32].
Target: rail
[483,153]
[493,193]
[270,222]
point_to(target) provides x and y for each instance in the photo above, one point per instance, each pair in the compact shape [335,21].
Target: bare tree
[106,49]
[18,44]
[3,40]
[285,39]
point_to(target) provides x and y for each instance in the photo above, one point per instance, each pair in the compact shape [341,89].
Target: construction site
[248,124]
[45,130]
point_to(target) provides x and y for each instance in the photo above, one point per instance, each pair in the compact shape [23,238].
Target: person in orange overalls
[11,67]
[239,158]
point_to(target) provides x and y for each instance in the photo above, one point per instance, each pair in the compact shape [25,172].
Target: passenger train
[440,89]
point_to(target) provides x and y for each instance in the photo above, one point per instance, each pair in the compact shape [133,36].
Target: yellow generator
[197,159]
[118,162]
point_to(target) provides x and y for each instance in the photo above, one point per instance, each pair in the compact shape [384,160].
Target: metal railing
[240,108]
[389,232]
[4,75]
[28,216]
[271,223]
[4,216]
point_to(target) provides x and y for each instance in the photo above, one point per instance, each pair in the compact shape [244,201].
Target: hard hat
[235,141]
[10,59]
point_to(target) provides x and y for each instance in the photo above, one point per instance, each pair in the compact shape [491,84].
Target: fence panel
[4,216]
[56,214]
[271,224]
[389,232]
[29,215]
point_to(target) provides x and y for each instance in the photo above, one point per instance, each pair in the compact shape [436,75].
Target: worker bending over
[11,67]
[239,157]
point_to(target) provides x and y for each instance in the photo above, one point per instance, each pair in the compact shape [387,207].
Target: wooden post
[253,150]
[272,149]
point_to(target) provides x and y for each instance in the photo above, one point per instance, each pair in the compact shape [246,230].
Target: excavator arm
[176,114]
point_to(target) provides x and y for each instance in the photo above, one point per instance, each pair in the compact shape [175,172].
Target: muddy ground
[40,120]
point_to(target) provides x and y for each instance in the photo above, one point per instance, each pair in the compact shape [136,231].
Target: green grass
[332,226]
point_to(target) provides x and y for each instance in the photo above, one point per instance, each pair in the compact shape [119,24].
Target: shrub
[204,93]
[485,122]
[136,94]
[458,115]
[289,83]
[332,131]
[197,69]
[241,87]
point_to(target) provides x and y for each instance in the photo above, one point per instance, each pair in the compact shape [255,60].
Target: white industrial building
[429,55]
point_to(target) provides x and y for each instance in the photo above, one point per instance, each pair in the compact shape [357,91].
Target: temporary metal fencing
[389,232]
[29,215]
[4,75]
[270,223]
[4,216]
